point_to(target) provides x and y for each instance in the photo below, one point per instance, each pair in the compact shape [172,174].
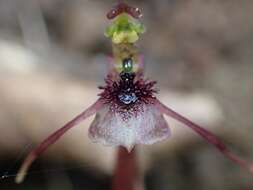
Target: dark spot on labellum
[127,98]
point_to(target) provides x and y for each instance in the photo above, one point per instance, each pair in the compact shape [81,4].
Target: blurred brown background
[53,57]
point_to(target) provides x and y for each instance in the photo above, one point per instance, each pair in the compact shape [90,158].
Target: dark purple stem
[126,170]
[208,136]
[53,138]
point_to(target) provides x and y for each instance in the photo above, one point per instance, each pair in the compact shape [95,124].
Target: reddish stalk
[126,170]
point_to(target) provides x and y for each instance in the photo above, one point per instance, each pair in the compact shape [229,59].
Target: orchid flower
[127,111]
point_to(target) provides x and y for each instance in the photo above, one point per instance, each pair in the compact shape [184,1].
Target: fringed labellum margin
[127,111]
[129,116]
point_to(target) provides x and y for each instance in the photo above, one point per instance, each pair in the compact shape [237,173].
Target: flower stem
[126,171]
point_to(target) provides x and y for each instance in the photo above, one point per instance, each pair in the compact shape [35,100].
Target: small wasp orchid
[127,110]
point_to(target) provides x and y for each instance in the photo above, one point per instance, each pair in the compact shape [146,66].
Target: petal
[207,135]
[51,139]
[147,127]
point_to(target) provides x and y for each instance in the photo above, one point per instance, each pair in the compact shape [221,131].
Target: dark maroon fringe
[144,90]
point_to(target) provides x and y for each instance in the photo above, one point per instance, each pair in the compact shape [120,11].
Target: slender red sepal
[208,136]
[53,138]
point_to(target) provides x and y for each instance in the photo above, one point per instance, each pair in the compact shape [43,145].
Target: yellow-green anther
[124,29]
[125,37]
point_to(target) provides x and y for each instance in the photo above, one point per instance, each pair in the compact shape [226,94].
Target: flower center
[127,93]
[127,98]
